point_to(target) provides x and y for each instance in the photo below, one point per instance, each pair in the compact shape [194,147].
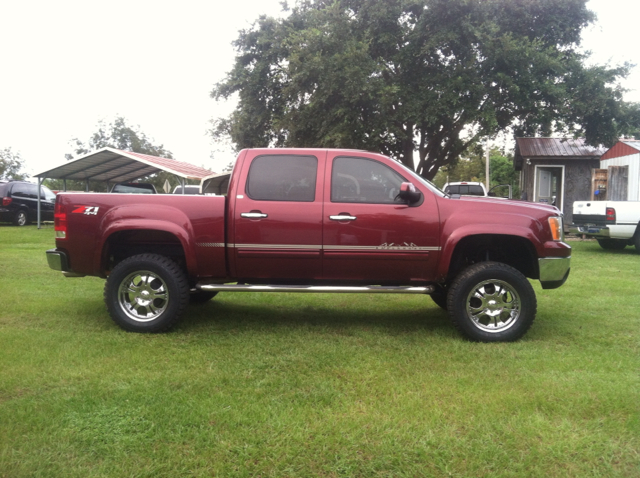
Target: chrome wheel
[493,306]
[491,302]
[21,218]
[143,296]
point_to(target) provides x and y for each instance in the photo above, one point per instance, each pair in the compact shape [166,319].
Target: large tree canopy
[11,165]
[420,76]
[119,135]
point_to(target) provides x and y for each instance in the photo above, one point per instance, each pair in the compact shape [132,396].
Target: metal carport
[115,166]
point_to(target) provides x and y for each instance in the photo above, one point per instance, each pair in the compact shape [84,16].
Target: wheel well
[514,251]
[124,244]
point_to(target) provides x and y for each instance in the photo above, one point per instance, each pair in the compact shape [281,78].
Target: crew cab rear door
[369,234]
[276,230]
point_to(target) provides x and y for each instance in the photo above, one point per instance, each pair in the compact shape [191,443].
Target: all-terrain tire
[491,302]
[146,293]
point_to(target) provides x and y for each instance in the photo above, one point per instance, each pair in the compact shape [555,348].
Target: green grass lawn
[296,385]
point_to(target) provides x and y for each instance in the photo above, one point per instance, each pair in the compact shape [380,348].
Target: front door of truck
[369,234]
[277,218]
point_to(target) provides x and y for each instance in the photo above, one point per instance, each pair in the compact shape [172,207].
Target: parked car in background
[135,188]
[614,224]
[465,188]
[20,202]
[188,189]
[474,188]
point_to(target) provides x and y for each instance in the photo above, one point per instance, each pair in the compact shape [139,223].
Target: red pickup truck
[315,220]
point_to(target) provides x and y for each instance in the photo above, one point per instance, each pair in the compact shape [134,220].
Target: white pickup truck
[615,224]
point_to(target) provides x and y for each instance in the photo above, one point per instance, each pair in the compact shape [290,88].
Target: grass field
[288,385]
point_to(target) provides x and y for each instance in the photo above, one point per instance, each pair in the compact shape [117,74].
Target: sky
[65,65]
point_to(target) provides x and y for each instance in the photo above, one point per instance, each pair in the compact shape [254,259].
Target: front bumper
[554,271]
[594,231]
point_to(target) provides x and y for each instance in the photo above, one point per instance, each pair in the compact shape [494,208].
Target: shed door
[618,183]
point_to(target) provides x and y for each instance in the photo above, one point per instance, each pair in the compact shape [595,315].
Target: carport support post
[182,184]
[64,184]
[39,198]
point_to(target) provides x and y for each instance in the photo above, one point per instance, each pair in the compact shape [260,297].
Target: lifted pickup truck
[615,224]
[315,220]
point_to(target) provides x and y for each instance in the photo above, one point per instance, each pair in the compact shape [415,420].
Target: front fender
[145,217]
[451,239]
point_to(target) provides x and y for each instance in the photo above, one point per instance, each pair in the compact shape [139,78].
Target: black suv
[20,202]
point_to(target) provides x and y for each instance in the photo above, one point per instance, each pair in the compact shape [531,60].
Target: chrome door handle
[343,217]
[253,215]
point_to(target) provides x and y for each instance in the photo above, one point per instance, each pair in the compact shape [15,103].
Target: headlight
[557,232]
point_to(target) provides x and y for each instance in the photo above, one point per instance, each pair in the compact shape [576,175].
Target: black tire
[21,218]
[491,302]
[636,239]
[201,296]
[158,293]
[440,297]
[612,244]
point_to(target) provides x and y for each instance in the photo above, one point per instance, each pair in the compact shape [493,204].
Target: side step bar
[316,289]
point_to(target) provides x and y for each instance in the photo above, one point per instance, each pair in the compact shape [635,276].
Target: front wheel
[492,302]
[146,293]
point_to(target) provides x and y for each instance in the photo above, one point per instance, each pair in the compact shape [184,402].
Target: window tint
[24,190]
[283,178]
[469,190]
[364,180]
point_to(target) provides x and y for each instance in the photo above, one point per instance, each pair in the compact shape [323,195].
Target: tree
[11,165]
[420,80]
[119,135]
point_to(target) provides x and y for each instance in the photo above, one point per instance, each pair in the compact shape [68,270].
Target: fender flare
[141,217]
[451,241]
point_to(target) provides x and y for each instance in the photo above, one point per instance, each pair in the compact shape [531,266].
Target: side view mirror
[409,193]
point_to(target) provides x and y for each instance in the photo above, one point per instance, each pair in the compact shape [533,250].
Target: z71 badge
[88,210]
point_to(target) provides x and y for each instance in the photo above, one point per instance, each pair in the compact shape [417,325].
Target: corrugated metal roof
[634,144]
[557,147]
[114,165]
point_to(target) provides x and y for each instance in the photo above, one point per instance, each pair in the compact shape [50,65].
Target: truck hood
[510,204]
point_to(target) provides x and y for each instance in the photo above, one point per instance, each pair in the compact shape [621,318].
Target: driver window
[363,180]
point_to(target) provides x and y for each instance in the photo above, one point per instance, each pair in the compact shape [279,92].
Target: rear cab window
[282,178]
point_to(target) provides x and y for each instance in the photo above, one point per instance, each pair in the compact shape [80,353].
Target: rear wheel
[612,244]
[201,296]
[146,293]
[21,219]
[439,296]
[492,302]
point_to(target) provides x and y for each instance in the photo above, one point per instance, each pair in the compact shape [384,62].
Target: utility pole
[486,171]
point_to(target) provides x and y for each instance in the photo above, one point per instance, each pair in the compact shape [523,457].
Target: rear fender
[144,217]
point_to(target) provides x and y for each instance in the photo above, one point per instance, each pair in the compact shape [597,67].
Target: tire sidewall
[469,279]
[177,287]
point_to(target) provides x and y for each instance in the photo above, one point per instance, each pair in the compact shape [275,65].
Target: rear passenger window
[283,178]
[364,180]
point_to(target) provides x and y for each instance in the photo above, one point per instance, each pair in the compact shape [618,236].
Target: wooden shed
[622,163]
[556,171]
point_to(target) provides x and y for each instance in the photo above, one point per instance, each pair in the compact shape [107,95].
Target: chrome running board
[316,289]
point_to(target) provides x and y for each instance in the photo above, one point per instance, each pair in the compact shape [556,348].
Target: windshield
[47,194]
